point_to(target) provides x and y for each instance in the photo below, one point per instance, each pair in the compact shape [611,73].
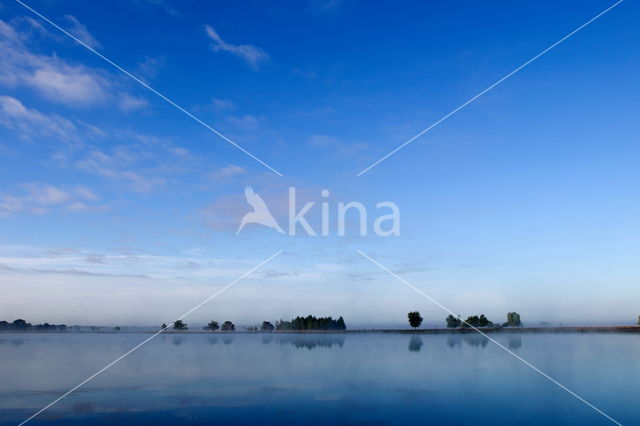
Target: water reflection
[14,342]
[311,341]
[415,344]
[313,378]
[470,339]
[84,408]
[515,342]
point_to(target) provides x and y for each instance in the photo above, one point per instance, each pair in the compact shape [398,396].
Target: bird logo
[260,213]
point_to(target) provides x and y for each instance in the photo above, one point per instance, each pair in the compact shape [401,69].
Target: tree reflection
[311,341]
[515,342]
[472,340]
[415,344]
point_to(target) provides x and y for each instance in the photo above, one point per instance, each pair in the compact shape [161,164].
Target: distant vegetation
[513,320]
[267,326]
[22,325]
[212,326]
[453,322]
[228,326]
[415,320]
[477,321]
[311,323]
[179,325]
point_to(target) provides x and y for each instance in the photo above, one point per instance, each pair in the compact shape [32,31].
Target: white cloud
[32,123]
[68,85]
[139,162]
[230,170]
[58,80]
[322,141]
[111,167]
[339,148]
[48,75]
[8,32]
[150,67]
[129,103]
[252,55]
[221,105]
[244,123]
[79,30]
[46,194]
[40,198]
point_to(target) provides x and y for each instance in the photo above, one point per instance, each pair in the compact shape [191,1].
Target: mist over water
[291,378]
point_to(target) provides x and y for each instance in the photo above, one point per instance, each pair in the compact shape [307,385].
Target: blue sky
[117,208]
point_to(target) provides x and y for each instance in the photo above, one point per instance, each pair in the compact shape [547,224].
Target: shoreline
[581,329]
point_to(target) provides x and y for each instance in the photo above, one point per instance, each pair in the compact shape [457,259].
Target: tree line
[309,322]
[22,325]
[513,320]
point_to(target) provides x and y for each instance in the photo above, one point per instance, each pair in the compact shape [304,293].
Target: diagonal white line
[139,345]
[489,88]
[518,357]
[151,89]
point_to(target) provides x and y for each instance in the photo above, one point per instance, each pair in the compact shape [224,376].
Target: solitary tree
[414,319]
[513,320]
[453,322]
[228,326]
[213,326]
[267,326]
[179,325]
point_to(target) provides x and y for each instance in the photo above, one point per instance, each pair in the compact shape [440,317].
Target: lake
[351,379]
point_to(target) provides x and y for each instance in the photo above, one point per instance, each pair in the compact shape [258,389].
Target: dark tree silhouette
[312,323]
[179,325]
[228,326]
[453,322]
[484,321]
[513,320]
[267,326]
[21,325]
[212,326]
[472,321]
[414,319]
[163,326]
[477,321]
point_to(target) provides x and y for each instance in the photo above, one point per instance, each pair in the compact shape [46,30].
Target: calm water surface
[352,379]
